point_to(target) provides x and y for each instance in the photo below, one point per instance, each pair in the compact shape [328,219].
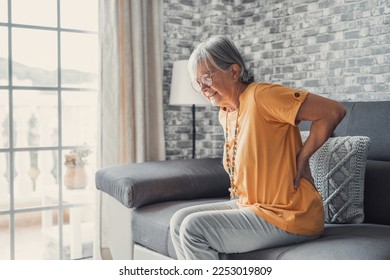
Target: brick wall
[336,48]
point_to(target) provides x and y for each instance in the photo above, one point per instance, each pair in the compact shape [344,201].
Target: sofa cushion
[339,241]
[377,192]
[150,228]
[139,184]
[371,119]
[150,224]
[338,168]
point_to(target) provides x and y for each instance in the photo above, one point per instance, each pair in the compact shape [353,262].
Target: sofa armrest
[139,184]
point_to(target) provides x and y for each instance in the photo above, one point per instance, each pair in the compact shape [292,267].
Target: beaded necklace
[231,164]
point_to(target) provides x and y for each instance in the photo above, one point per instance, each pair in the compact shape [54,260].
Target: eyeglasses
[204,80]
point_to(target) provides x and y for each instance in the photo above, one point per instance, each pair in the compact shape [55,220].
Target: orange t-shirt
[268,142]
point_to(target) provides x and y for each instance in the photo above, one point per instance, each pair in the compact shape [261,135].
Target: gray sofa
[143,197]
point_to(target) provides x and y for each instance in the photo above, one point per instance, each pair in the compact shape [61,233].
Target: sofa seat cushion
[150,224]
[339,241]
[150,228]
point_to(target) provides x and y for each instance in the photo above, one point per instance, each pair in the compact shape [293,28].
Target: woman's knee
[178,217]
[192,225]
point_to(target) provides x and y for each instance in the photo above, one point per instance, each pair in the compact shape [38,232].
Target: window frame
[11,150]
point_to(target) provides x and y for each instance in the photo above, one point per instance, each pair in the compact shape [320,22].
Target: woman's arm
[325,114]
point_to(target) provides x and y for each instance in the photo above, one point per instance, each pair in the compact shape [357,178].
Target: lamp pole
[193,131]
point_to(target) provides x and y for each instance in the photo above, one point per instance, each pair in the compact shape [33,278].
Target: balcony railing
[32,181]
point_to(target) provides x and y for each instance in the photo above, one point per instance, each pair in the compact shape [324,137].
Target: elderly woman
[274,200]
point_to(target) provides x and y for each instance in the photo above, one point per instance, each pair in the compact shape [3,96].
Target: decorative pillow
[304,135]
[338,168]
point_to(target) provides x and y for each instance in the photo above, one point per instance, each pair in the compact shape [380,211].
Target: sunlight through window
[48,128]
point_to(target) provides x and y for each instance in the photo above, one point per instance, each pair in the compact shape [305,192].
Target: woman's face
[220,92]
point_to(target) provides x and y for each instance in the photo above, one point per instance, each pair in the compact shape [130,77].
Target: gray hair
[220,52]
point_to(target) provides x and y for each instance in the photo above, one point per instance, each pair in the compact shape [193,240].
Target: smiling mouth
[212,94]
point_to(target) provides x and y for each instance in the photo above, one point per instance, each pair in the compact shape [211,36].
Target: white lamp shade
[182,92]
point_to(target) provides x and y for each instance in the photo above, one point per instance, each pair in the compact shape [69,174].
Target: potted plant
[75,175]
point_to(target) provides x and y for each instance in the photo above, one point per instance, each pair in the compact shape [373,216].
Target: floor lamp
[182,93]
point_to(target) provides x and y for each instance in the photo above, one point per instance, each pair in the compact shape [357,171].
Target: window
[48,136]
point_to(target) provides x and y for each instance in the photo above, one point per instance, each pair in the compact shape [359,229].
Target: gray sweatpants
[200,232]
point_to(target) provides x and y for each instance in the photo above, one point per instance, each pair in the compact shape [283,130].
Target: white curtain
[131,81]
